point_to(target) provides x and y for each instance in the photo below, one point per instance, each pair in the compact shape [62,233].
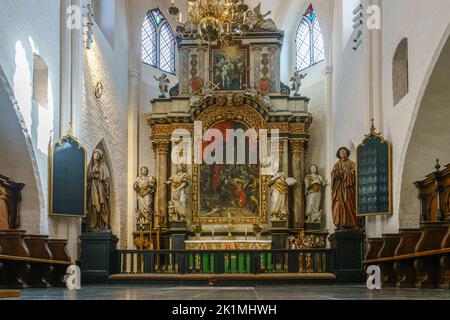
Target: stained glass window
[158,42]
[309,41]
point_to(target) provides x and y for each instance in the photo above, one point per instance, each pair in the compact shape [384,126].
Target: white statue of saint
[179,183]
[280,184]
[297,82]
[314,184]
[145,187]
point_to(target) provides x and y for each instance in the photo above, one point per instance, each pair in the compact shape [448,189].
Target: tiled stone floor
[141,292]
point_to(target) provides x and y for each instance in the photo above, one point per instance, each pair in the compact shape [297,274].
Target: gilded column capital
[297,145]
[161,146]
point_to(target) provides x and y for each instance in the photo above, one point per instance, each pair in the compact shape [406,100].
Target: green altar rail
[223,262]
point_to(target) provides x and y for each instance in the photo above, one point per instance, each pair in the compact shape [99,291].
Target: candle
[213,233]
[181,17]
[245,233]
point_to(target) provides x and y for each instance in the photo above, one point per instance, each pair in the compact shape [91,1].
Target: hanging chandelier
[213,20]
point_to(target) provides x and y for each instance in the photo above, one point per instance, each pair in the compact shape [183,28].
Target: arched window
[400,85]
[309,42]
[158,42]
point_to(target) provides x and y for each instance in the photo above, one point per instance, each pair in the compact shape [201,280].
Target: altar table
[232,262]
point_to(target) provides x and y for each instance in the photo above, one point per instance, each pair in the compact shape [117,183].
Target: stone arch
[18,159]
[428,135]
[400,72]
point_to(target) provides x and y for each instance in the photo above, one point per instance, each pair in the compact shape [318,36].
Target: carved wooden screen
[374,176]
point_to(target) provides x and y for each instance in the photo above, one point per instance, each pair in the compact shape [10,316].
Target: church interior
[301,145]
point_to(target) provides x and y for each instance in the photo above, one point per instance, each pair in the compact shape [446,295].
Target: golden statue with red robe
[344,191]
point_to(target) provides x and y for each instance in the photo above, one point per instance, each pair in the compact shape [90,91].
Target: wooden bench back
[432,235]
[446,241]
[374,247]
[38,247]
[58,248]
[390,244]
[408,241]
[13,243]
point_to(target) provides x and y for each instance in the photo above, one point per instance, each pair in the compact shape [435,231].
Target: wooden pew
[406,275]
[374,247]
[37,245]
[444,263]
[388,273]
[428,266]
[14,270]
[29,260]
[58,249]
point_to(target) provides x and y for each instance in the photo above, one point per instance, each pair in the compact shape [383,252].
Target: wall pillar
[298,164]
[161,148]
[133,150]
[330,152]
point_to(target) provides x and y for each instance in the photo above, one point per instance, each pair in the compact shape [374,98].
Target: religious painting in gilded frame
[230,193]
[68,178]
[231,190]
[229,67]
[374,175]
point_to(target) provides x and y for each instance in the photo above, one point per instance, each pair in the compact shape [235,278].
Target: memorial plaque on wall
[374,175]
[68,168]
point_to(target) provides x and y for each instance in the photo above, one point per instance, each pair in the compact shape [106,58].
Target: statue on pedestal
[297,82]
[98,199]
[180,182]
[314,184]
[145,188]
[164,83]
[280,184]
[344,191]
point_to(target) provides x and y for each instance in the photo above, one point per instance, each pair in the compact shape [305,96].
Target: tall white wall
[107,118]
[30,27]
[362,83]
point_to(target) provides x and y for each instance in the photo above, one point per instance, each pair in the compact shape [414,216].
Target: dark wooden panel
[68,178]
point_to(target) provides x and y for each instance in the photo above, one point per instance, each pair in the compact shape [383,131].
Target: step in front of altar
[224,279]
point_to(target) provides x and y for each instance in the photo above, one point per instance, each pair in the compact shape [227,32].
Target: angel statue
[280,184]
[297,82]
[258,20]
[163,84]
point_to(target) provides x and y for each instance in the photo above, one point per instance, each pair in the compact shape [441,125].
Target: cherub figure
[297,82]
[163,84]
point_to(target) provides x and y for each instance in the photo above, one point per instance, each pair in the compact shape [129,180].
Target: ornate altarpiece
[262,102]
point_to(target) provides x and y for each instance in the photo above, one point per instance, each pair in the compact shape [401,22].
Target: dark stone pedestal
[348,248]
[280,234]
[313,226]
[97,257]
[178,234]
